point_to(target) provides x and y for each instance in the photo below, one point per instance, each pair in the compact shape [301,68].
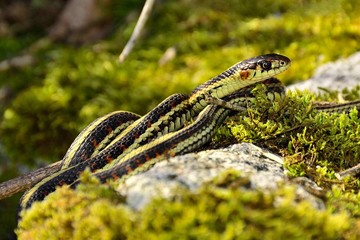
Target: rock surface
[343,73]
[264,169]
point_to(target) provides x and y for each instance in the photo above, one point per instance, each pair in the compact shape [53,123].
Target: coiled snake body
[121,143]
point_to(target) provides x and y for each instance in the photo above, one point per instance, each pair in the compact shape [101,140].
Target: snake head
[243,74]
[264,66]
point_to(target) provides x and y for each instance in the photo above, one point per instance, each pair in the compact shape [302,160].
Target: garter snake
[121,143]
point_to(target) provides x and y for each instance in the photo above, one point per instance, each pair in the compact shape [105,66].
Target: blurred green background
[74,78]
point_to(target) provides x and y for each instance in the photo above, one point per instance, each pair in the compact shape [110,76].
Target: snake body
[122,143]
[337,107]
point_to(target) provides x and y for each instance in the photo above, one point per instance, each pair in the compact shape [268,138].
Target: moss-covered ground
[69,86]
[315,144]
[221,209]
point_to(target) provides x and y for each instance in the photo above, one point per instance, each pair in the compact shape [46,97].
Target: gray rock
[263,168]
[343,73]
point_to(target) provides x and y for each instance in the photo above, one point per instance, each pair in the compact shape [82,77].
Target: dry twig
[22,183]
[138,29]
[349,172]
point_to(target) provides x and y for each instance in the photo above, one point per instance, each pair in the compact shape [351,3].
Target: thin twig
[137,30]
[22,183]
[349,172]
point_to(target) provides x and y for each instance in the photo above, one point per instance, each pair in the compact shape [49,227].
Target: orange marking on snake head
[244,74]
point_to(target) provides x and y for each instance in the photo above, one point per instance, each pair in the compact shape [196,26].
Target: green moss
[222,209]
[316,144]
[349,201]
[208,36]
[68,87]
[91,212]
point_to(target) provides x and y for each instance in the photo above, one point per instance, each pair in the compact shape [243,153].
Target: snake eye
[266,65]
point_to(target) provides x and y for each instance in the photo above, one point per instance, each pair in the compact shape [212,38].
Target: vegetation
[70,86]
[221,209]
[315,145]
